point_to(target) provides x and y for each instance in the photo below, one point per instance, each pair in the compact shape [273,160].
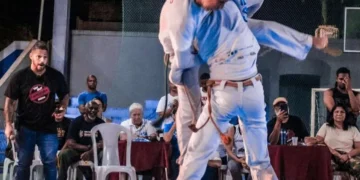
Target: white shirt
[339,139]
[160,108]
[146,129]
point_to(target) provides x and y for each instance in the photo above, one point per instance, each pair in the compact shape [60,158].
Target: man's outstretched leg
[204,143]
[254,132]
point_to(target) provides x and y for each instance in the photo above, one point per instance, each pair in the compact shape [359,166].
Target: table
[301,162]
[144,156]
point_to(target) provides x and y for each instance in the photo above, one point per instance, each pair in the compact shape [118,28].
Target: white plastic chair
[73,168]
[36,163]
[8,163]
[110,162]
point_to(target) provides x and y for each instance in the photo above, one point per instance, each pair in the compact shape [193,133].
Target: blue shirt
[173,142]
[86,96]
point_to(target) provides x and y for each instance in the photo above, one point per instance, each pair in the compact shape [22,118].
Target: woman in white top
[343,141]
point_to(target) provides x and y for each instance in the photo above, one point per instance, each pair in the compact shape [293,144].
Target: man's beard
[91,117]
[342,86]
[40,67]
[92,87]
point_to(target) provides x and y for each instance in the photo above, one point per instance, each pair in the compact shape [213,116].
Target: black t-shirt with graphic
[62,131]
[80,130]
[36,97]
[294,124]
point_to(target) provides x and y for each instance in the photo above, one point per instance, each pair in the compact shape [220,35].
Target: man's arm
[177,29]
[86,156]
[275,134]
[276,35]
[151,131]
[73,145]
[281,38]
[358,101]
[329,100]
[168,135]
[354,102]
[65,101]
[9,110]
[168,113]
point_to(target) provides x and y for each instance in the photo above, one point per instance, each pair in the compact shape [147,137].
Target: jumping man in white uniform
[225,42]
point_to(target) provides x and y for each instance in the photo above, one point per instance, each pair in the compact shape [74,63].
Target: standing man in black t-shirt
[342,93]
[33,89]
[78,143]
[291,125]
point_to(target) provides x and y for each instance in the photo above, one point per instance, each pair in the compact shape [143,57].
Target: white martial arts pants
[248,103]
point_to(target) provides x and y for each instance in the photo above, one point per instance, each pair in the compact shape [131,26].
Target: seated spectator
[283,121]
[171,108]
[237,162]
[101,110]
[139,127]
[91,93]
[342,93]
[78,143]
[62,126]
[342,139]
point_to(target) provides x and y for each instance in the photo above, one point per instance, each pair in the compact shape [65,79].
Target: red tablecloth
[144,156]
[301,162]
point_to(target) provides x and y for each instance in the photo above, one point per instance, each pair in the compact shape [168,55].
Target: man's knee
[65,155]
[25,157]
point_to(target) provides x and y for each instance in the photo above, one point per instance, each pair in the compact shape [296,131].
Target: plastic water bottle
[282,137]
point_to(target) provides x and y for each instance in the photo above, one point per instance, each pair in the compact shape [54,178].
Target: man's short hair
[99,99]
[91,76]
[342,70]
[135,106]
[90,103]
[205,76]
[40,45]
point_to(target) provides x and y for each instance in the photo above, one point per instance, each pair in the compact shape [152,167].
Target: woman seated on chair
[342,139]
[78,144]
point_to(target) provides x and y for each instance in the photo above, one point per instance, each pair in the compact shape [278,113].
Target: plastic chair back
[110,133]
